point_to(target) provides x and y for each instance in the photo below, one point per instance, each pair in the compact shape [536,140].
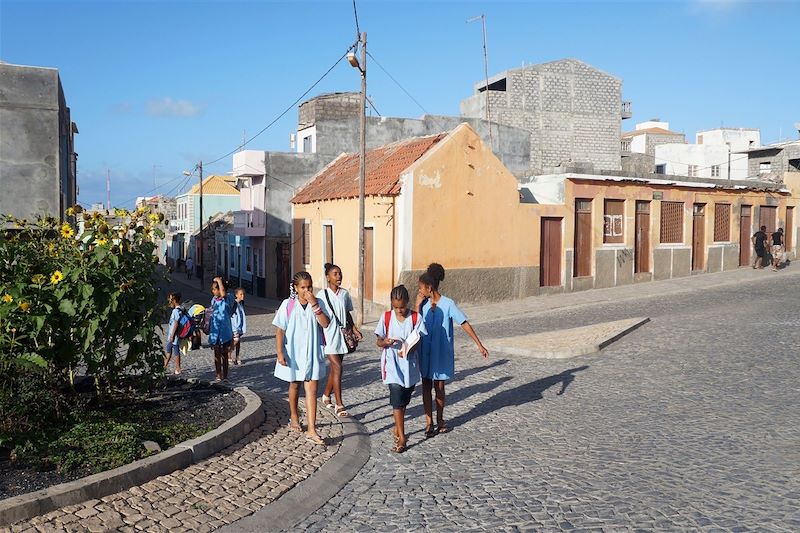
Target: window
[233,256]
[722,222]
[714,171]
[765,167]
[328,233]
[247,261]
[613,221]
[671,222]
[307,144]
[692,171]
[661,169]
[306,243]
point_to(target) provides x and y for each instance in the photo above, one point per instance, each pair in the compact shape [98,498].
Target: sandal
[430,432]
[341,412]
[399,448]
[326,401]
[315,439]
[296,428]
[442,429]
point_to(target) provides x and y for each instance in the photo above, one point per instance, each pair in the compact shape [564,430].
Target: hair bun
[436,271]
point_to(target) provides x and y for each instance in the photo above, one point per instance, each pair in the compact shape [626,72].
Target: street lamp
[362,68]
[199,247]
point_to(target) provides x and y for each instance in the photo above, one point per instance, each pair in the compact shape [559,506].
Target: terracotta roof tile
[384,167]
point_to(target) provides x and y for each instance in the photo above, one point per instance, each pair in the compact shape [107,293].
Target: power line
[355,14]
[398,84]
[280,116]
[151,190]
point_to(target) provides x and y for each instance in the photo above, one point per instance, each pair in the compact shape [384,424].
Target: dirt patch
[198,408]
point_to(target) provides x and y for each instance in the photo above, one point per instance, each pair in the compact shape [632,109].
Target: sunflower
[51,248]
[101,241]
[25,307]
[67,231]
[56,277]
[7,298]
[38,279]
[70,211]
[153,218]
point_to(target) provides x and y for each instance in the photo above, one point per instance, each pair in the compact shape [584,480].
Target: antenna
[482,18]
[108,189]
[244,140]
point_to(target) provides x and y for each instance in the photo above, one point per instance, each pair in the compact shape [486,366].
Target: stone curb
[313,492]
[139,472]
[572,351]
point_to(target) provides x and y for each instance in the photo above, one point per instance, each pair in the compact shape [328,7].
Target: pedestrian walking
[189,267]
[220,333]
[238,325]
[340,328]
[174,347]
[759,240]
[777,248]
[437,359]
[299,323]
[399,334]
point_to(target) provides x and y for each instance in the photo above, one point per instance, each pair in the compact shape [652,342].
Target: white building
[711,154]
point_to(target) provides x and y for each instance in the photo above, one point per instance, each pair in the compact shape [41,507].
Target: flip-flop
[316,439]
[297,429]
[326,401]
[430,432]
[442,429]
[341,412]
[399,448]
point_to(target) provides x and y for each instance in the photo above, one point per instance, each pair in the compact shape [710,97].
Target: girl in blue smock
[221,333]
[301,358]
[437,359]
[399,370]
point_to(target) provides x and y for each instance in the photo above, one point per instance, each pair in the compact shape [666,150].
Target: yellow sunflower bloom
[101,241]
[153,218]
[67,231]
[38,279]
[25,307]
[7,298]
[70,211]
[56,277]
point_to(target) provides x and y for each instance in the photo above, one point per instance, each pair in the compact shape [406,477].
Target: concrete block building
[38,163]
[572,112]
[773,162]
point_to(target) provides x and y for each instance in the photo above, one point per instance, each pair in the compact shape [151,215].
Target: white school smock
[342,304]
[398,370]
[302,343]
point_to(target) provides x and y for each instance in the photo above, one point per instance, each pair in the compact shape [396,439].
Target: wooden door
[745,227]
[283,274]
[328,244]
[641,248]
[767,217]
[583,238]
[550,253]
[788,231]
[699,237]
[369,265]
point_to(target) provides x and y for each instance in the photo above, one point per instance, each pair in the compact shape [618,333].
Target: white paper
[410,342]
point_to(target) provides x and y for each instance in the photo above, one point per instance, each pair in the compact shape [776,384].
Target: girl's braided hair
[329,267]
[297,278]
[400,293]
[433,276]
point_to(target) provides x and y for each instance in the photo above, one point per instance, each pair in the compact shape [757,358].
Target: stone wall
[328,107]
[481,285]
[572,111]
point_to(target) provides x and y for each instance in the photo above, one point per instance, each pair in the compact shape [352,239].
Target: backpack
[186,324]
[387,317]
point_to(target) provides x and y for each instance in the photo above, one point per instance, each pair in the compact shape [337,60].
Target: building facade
[775,161]
[572,111]
[717,154]
[38,162]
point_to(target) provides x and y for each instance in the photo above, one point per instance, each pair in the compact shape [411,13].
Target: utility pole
[486,73]
[199,254]
[729,164]
[362,174]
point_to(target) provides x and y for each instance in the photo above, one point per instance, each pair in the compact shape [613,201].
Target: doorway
[583,238]
[550,253]
[698,237]
[745,225]
[641,248]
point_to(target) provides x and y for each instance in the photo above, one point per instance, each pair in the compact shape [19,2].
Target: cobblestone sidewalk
[230,485]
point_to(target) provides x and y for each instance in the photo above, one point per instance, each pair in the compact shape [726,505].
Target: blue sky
[166,84]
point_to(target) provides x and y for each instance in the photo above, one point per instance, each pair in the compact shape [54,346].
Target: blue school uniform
[403,371]
[438,357]
[239,320]
[174,346]
[221,331]
[302,343]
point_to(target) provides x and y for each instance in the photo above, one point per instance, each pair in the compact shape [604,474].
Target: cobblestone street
[688,422]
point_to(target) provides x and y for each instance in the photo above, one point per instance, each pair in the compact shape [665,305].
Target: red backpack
[387,317]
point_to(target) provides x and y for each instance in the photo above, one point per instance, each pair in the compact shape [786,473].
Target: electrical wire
[289,108]
[151,190]
[355,14]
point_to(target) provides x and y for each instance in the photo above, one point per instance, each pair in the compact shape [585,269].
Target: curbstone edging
[139,472]
[306,497]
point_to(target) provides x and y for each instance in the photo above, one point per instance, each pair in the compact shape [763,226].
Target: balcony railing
[626,110]
[625,146]
[249,220]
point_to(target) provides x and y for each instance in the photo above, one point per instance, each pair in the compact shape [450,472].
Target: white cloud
[167,107]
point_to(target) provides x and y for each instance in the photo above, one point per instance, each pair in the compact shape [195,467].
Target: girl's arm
[322,318]
[221,286]
[471,332]
[279,337]
[384,342]
[359,335]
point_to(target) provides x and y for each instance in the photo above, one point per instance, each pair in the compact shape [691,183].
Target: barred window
[671,222]
[722,222]
[613,221]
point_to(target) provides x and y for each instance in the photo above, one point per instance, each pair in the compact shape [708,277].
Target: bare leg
[178,364]
[223,356]
[311,406]
[440,401]
[399,426]
[335,375]
[238,347]
[427,403]
[294,394]
[217,362]
[334,361]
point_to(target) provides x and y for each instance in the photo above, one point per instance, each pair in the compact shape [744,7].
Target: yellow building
[447,198]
